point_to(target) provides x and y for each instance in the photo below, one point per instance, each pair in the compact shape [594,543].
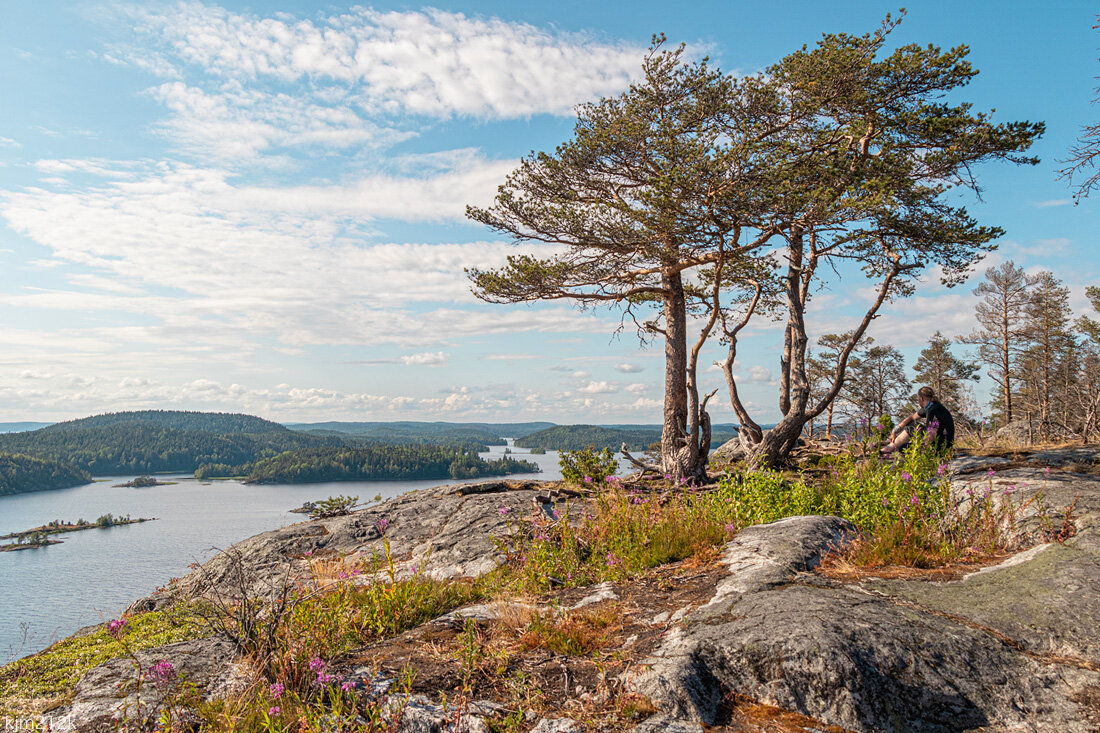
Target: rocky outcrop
[1010,647]
[1015,646]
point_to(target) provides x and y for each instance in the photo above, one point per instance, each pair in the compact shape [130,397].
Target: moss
[54,672]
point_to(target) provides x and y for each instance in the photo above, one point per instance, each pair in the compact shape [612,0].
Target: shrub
[586,466]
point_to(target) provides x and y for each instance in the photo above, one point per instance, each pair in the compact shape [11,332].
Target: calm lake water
[48,593]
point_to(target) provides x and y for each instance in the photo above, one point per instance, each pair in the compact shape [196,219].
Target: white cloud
[627,368]
[427,358]
[593,387]
[428,62]
[760,375]
[1053,202]
[7,142]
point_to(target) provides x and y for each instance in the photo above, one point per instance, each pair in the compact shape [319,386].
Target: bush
[586,466]
[334,506]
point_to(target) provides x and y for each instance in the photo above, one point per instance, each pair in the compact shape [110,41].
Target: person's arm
[907,421]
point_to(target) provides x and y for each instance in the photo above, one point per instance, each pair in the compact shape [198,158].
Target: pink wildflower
[274,710]
[117,627]
[588,479]
[504,510]
[163,674]
[348,686]
[277,689]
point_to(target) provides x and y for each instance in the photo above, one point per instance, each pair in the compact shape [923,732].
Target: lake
[50,592]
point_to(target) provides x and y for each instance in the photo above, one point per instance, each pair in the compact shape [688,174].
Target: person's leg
[899,442]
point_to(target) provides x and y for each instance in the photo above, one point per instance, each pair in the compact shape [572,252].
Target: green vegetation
[587,466]
[54,672]
[424,432]
[159,441]
[20,473]
[578,437]
[372,462]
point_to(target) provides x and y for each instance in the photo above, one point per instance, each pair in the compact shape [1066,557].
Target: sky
[259,207]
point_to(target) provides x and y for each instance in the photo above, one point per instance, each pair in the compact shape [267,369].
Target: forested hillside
[378,462]
[159,441]
[425,432]
[20,473]
[577,437]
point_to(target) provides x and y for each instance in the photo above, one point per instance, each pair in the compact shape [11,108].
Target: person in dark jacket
[932,416]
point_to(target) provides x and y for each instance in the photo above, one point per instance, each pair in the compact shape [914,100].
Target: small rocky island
[41,536]
[144,482]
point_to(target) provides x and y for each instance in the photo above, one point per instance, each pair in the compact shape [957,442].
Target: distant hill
[226,423]
[425,432]
[19,427]
[636,437]
[19,473]
[157,441]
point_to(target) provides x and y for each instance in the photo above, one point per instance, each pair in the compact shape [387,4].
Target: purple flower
[731,527]
[163,674]
[668,476]
[611,479]
[612,561]
[317,665]
[990,473]
[504,510]
[277,689]
[941,469]
[637,499]
[588,479]
[906,476]
[1047,470]
[914,501]
[886,502]
[415,569]
[348,686]
[274,710]
[117,627]
[381,525]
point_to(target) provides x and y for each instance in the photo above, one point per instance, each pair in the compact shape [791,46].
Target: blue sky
[259,206]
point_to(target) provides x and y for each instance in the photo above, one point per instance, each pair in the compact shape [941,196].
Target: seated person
[935,416]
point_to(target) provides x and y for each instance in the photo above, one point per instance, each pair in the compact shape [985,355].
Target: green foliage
[159,441]
[55,671]
[586,466]
[21,473]
[577,437]
[334,506]
[380,462]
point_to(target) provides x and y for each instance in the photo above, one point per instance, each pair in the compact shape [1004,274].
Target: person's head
[925,395]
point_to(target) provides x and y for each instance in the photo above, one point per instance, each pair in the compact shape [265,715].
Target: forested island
[22,473]
[367,463]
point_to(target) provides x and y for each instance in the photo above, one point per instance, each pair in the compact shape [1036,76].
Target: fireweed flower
[277,689]
[731,527]
[504,510]
[588,479]
[990,473]
[348,686]
[941,469]
[117,627]
[163,673]
[274,710]
[915,500]
[906,476]
[381,525]
[612,561]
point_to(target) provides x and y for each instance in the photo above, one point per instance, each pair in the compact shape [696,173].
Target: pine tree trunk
[679,451]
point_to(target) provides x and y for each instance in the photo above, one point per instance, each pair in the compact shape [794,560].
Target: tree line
[22,473]
[371,463]
[1044,364]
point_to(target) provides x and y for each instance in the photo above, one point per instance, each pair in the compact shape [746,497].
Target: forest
[21,473]
[374,462]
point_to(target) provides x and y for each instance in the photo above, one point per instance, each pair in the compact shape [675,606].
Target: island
[143,482]
[41,536]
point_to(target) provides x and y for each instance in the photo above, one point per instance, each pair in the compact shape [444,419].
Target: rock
[1015,646]
[106,695]
[966,464]
[665,724]
[443,532]
[417,714]
[557,725]
[729,452]
[602,592]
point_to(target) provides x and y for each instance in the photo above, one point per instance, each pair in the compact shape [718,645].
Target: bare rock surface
[444,532]
[121,691]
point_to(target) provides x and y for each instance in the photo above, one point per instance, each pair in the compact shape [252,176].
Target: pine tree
[1002,333]
[944,372]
